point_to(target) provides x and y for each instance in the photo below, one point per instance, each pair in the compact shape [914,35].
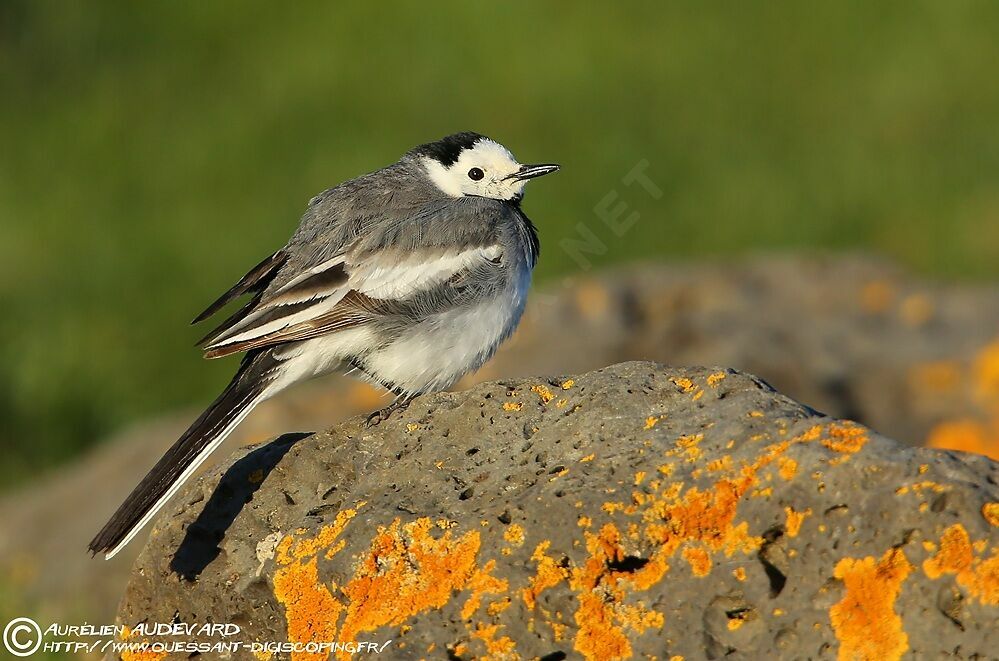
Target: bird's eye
[475,174]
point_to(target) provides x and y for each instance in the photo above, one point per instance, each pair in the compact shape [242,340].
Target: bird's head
[469,164]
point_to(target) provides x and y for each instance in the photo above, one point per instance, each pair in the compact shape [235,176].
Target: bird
[408,277]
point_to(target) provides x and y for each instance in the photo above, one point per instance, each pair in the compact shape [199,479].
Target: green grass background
[150,152]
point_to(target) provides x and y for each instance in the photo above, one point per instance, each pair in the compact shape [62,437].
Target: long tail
[251,385]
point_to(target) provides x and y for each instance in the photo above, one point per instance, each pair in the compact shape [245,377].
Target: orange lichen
[865,620]
[651,421]
[985,372]
[787,468]
[698,559]
[543,392]
[289,549]
[925,485]
[407,571]
[845,437]
[146,655]
[603,616]
[482,583]
[716,465]
[694,523]
[984,583]
[514,534]
[311,610]
[739,573]
[956,555]
[497,607]
[685,384]
[496,648]
[966,436]
[794,520]
[512,406]
[990,511]
[548,575]
[715,379]
[567,384]
[978,433]
[877,296]
[939,376]
[704,516]
[445,524]
[687,447]
[916,309]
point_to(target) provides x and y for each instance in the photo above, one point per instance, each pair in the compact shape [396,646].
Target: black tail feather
[245,391]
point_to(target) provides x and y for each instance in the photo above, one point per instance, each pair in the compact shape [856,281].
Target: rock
[633,511]
[44,528]
[852,336]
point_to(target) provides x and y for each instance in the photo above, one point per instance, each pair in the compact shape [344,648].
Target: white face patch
[491,159]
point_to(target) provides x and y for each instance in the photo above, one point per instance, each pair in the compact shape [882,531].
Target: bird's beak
[531,171]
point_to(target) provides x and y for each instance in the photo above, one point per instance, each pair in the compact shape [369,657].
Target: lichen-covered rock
[852,336]
[637,511]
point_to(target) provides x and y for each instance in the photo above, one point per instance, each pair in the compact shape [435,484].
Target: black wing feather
[255,280]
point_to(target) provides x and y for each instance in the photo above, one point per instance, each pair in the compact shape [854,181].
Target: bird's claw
[381,415]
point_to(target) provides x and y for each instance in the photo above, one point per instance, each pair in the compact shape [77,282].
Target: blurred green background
[151,152]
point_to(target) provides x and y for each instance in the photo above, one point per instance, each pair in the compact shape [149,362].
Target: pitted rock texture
[852,336]
[637,511]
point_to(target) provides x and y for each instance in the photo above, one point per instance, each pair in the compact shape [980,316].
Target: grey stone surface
[851,336]
[636,511]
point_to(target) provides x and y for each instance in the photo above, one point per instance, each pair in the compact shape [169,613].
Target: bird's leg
[399,404]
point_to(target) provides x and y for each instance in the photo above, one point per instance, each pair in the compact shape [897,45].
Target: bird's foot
[381,415]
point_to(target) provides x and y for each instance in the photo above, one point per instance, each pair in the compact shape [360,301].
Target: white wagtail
[409,277]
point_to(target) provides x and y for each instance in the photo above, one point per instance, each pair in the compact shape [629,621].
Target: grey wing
[405,261]
[341,293]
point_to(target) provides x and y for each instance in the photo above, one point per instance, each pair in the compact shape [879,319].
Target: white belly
[438,351]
